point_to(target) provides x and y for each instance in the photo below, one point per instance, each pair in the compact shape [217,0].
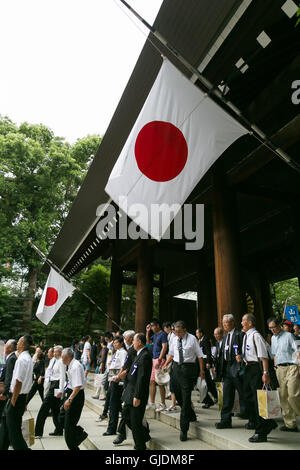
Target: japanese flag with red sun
[179,133]
[56,291]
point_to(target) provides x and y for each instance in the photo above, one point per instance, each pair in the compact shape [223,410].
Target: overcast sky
[65,63]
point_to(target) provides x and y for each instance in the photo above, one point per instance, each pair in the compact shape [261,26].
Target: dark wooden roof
[267,188]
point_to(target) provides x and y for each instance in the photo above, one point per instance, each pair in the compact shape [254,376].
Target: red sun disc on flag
[161,151]
[51,296]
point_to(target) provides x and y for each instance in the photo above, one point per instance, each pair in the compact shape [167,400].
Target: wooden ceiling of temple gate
[266,187]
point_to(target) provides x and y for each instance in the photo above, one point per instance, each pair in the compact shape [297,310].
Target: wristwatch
[70,399]
[266,372]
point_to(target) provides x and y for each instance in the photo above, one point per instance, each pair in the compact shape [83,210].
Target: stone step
[204,430]
[163,437]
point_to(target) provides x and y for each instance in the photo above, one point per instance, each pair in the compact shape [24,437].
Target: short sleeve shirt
[158,340]
[75,375]
[284,348]
[23,371]
[85,357]
[190,347]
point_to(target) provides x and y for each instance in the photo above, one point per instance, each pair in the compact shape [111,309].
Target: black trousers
[133,417]
[107,402]
[122,425]
[2,406]
[36,387]
[252,383]
[115,406]
[10,430]
[50,403]
[73,432]
[230,385]
[184,378]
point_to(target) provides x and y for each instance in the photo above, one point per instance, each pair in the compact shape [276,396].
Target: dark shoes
[109,434]
[183,436]
[272,425]
[258,438]
[221,425]
[284,428]
[83,437]
[56,433]
[119,440]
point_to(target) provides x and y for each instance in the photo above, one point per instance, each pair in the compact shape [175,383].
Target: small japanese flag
[178,135]
[56,291]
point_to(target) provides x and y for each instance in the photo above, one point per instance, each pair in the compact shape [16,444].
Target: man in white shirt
[74,402]
[86,355]
[56,373]
[185,352]
[10,431]
[254,353]
[51,358]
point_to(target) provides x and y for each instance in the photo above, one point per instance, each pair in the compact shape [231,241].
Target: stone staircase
[202,435]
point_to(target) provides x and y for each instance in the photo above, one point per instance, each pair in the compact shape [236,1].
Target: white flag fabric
[179,133]
[56,291]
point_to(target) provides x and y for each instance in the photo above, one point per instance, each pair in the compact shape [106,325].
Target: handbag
[268,403]
[202,387]
[99,380]
[28,431]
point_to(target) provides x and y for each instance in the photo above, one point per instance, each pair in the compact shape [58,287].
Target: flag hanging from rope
[179,133]
[56,291]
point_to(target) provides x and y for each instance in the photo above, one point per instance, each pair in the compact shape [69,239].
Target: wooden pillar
[226,251]
[114,296]
[206,313]
[163,300]
[266,298]
[144,287]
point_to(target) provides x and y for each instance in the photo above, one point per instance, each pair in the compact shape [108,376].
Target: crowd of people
[129,367]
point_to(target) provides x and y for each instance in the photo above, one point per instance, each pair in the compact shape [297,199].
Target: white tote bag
[202,387]
[268,403]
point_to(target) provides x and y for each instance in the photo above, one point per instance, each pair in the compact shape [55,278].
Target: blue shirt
[158,340]
[284,348]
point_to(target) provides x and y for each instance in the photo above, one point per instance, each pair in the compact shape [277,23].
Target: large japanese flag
[56,291]
[179,133]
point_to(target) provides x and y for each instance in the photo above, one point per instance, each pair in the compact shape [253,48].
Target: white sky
[65,63]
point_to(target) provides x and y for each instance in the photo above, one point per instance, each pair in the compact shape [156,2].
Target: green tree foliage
[285,291]
[40,175]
